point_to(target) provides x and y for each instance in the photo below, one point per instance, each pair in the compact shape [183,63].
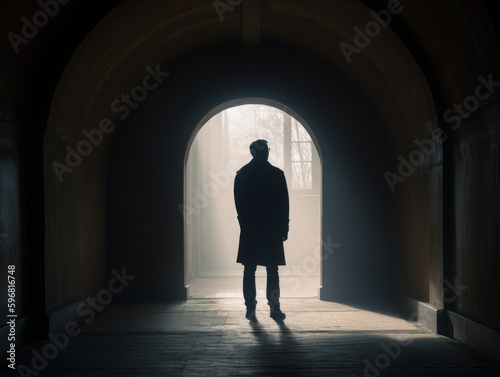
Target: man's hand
[285,233]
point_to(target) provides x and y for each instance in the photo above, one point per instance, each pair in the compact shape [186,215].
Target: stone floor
[211,337]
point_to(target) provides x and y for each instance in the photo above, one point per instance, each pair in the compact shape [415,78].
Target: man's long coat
[261,198]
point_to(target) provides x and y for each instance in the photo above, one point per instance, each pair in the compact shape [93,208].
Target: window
[301,157]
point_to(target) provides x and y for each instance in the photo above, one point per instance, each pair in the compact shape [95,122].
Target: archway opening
[220,147]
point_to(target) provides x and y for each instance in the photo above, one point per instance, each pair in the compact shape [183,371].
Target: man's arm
[285,207]
[239,198]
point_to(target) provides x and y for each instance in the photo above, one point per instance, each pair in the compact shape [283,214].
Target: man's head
[259,150]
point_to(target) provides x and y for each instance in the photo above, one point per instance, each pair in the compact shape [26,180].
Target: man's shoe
[277,314]
[250,315]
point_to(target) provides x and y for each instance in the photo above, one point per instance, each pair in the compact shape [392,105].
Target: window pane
[299,133]
[301,176]
[302,151]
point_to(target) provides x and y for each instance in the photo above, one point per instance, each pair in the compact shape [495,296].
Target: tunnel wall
[474,222]
[10,214]
[29,75]
[471,167]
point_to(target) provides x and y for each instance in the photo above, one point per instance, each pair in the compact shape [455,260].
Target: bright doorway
[218,150]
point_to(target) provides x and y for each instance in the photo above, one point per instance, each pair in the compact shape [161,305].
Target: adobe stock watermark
[87,310]
[372,29]
[471,103]
[121,106]
[202,198]
[310,264]
[222,7]
[450,293]
[393,350]
[48,9]
[454,116]
[407,166]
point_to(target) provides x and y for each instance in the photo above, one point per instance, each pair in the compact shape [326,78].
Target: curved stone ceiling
[112,58]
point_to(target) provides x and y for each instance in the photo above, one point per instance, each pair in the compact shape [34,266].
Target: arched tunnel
[100,106]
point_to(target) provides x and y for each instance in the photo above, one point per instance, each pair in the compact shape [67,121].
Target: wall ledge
[58,318]
[428,316]
[455,326]
[473,334]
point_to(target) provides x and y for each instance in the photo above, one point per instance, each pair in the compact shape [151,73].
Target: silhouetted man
[261,198]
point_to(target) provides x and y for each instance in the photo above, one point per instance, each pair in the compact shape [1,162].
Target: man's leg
[273,292]
[249,290]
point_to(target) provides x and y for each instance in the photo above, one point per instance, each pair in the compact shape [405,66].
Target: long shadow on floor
[278,351]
